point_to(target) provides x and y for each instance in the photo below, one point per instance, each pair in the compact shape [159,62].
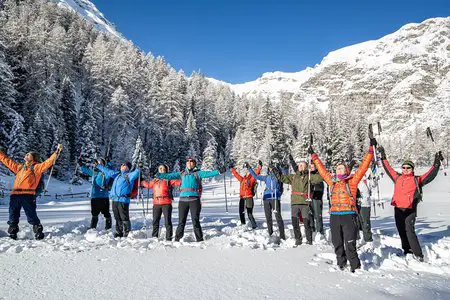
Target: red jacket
[162,190]
[407,188]
[247,183]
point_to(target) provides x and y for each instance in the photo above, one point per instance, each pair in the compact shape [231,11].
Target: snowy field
[234,262]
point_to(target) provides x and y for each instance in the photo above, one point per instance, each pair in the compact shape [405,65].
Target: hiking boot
[13,230]
[38,232]
[353,269]
[418,258]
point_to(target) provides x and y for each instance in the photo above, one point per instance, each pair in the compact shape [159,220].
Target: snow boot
[298,242]
[119,229]
[38,232]
[108,223]
[309,242]
[126,228]
[94,222]
[13,230]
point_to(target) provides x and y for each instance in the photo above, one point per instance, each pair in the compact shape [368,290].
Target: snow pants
[100,205]
[344,230]
[184,207]
[274,205]
[405,219]
[28,202]
[158,210]
[248,204]
[122,215]
[302,210]
[365,225]
[316,219]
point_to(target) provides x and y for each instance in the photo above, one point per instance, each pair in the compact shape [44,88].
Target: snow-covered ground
[234,262]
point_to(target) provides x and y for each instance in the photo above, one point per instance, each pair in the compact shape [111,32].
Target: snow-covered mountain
[90,12]
[405,74]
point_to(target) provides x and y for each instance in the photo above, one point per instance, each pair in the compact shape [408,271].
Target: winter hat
[191,158]
[165,166]
[408,163]
[102,161]
[342,163]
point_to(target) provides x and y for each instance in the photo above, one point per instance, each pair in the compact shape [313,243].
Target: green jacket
[299,185]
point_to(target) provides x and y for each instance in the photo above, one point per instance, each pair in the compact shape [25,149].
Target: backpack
[199,181]
[254,187]
[135,191]
[40,189]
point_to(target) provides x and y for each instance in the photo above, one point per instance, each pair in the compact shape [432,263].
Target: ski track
[234,261]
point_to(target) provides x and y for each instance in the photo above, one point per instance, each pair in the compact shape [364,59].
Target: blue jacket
[273,188]
[99,188]
[121,188]
[190,185]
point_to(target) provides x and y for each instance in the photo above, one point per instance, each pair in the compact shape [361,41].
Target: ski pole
[430,135]
[58,151]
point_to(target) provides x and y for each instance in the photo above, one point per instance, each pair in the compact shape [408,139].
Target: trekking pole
[225,189]
[139,194]
[370,133]
[58,151]
[379,166]
[309,169]
[76,169]
[442,166]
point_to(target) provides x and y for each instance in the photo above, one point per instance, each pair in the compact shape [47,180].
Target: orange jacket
[341,201]
[27,180]
[162,190]
[247,183]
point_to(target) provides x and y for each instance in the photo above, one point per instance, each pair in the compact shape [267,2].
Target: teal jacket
[190,183]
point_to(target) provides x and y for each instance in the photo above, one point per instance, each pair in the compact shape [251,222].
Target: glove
[382,152]
[222,170]
[310,149]
[438,157]
[2,149]
[246,165]
[373,142]
[260,163]
[59,148]
[95,163]
[140,165]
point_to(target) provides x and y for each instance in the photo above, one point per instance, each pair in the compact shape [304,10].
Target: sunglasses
[406,168]
[190,160]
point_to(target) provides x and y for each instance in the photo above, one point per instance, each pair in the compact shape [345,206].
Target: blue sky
[237,41]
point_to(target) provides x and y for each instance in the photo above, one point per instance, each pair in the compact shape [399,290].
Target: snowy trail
[233,262]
